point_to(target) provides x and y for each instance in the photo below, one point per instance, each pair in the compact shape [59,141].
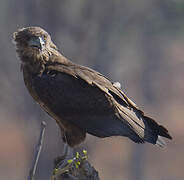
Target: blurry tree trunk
[138,162]
[152,56]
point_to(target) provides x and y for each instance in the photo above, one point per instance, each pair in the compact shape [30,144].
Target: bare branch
[37,152]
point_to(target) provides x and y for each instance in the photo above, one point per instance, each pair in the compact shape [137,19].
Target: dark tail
[144,129]
[156,132]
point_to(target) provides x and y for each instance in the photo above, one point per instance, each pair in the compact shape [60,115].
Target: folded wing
[89,100]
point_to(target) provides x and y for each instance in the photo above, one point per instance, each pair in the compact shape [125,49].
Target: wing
[90,101]
[94,79]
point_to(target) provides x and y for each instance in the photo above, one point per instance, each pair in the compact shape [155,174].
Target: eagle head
[33,43]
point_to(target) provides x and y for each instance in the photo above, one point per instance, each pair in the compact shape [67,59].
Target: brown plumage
[80,99]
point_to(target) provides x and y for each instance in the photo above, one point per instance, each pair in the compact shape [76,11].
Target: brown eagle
[80,99]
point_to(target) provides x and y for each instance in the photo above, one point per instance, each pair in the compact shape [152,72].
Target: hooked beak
[37,42]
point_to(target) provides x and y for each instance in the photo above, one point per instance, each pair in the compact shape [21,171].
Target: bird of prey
[80,99]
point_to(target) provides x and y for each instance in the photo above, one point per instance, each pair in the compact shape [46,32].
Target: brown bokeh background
[138,43]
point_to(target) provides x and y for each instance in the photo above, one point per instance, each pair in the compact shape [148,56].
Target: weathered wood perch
[77,168]
[66,167]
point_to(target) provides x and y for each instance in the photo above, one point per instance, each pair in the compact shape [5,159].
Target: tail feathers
[144,129]
[154,132]
[164,132]
[160,142]
[158,129]
[153,139]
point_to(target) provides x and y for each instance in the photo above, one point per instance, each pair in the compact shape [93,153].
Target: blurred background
[138,43]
